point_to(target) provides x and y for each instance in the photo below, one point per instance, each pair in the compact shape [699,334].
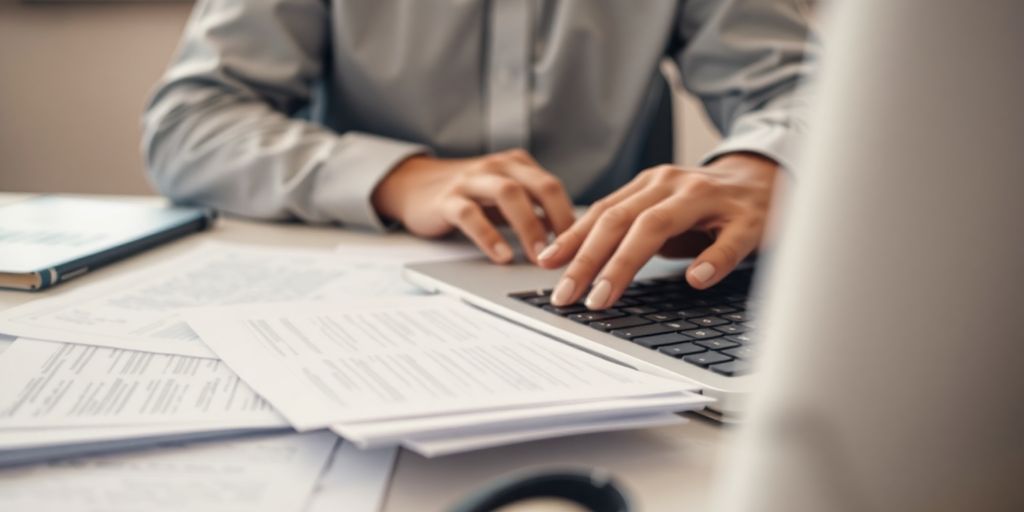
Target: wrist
[389,195]
[745,164]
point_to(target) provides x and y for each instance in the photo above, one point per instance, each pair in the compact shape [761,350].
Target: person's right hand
[432,197]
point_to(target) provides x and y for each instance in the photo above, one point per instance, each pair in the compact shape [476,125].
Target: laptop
[661,325]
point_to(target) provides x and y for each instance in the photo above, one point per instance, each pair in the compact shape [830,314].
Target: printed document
[48,384]
[140,310]
[324,364]
[480,439]
[389,432]
[267,473]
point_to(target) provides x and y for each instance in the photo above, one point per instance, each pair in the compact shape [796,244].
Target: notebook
[50,239]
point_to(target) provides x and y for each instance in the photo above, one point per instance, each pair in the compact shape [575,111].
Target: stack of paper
[428,372]
[74,398]
[134,373]
[227,339]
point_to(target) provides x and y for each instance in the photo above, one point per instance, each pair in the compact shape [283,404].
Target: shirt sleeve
[746,61]
[222,127]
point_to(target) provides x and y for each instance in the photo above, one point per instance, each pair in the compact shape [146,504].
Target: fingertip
[501,253]
[701,275]
[546,254]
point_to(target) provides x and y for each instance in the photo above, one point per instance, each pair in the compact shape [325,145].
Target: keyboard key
[639,310]
[622,303]
[643,330]
[722,311]
[651,299]
[663,317]
[530,294]
[620,323]
[702,334]
[692,312]
[707,321]
[538,301]
[742,339]
[634,292]
[706,359]
[731,329]
[681,349]
[668,305]
[565,310]
[717,343]
[594,316]
[738,316]
[740,352]
[732,368]
[661,339]
[679,325]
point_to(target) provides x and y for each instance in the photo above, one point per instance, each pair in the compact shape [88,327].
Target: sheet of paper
[356,480]
[75,442]
[47,384]
[275,473]
[384,433]
[140,310]
[26,438]
[469,441]
[324,364]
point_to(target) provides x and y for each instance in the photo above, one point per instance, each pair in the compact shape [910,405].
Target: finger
[514,203]
[600,244]
[547,191]
[737,240]
[469,217]
[643,240]
[568,243]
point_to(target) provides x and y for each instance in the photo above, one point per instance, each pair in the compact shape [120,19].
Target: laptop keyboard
[708,328]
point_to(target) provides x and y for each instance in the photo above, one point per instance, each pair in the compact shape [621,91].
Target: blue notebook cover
[46,240]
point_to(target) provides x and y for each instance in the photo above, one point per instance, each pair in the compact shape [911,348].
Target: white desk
[665,469]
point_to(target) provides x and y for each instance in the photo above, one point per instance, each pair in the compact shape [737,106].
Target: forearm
[207,146]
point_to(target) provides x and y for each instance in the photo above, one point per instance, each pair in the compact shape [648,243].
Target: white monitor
[893,370]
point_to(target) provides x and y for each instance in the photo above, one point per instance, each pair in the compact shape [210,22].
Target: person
[448,115]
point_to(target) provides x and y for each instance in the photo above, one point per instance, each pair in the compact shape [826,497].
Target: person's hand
[665,209]
[432,197]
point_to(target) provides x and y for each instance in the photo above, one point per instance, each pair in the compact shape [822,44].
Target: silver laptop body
[487,286]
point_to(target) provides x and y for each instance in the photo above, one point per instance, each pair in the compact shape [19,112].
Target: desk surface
[665,469]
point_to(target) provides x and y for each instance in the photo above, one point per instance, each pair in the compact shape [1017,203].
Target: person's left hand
[662,209]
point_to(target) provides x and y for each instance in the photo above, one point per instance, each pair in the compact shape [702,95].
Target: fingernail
[538,247]
[599,295]
[502,251]
[703,272]
[563,292]
[546,253]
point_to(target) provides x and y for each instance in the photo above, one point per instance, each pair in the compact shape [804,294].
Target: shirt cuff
[345,182]
[772,135]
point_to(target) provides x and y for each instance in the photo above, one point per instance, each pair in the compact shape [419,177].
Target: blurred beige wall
[74,80]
